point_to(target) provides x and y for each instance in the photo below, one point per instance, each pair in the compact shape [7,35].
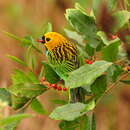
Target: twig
[25,106]
[113,85]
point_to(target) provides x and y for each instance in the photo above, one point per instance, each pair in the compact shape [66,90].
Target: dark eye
[48,39]
[43,38]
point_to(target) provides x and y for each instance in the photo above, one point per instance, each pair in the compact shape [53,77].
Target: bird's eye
[43,38]
[48,39]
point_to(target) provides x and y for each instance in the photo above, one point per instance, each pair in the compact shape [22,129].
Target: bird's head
[51,40]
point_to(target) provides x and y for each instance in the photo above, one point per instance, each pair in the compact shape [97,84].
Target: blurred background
[27,17]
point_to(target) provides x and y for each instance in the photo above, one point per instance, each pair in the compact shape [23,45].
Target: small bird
[63,56]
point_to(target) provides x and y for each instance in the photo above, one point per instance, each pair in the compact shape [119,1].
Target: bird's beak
[41,40]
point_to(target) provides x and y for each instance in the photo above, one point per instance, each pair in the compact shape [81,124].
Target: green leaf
[87,74]
[113,72]
[50,74]
[57,101]
[82,23]
[122,18]
[79,7]
[110,52]
[17,60]
[99,86]
[26,85]
[105,39]
[11,126]
[13,36]
[38,107]
[30,57]
[32,77]
[13,118]
[47,28]
[88,106]
[90,50]
[19,77]
[69,125]
[5,96]
[27,41]
[18,102]
[28,90]
[74,35]
[88,122]
[70,112]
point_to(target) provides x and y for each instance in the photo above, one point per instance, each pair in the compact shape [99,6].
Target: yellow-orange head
[52,40]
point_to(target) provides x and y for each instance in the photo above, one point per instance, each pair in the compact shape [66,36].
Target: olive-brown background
[23,17]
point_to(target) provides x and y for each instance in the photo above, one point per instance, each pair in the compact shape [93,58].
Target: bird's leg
[77,95]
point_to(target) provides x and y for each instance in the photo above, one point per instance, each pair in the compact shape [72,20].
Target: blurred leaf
[11,126]
[70,112]
[25,41]
[5,96]
[126,81]
[111,4]
[13,118]
[26,85]
[32,77]
[41,74]
[32,61]
[13,36]
[29,40]
[113,72]
[87,74]
[88,106]
[90,50]
[74,35]
[127,2]
[99,86]
[99,47]
[88,122]
[18,102]
[20,77]
[97,5]
[47,28]
[17,60]
[57,101]
[30,57]
[50,74]
[28,90]
[69,125]
[81,22]
[79,5]
[122,18]
[110,52]
[38,107]
[105,40]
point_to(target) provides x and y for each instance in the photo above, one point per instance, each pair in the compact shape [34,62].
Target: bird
[63,57]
